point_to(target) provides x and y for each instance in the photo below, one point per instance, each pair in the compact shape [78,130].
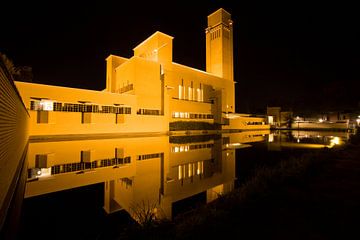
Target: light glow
[47,105]
[271,137]
[335,141]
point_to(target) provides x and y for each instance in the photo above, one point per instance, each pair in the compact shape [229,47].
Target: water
[96,188]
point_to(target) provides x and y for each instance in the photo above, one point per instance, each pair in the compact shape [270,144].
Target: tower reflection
[148,174]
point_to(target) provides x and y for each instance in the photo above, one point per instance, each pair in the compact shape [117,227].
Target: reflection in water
[141,175]
[306,139]
[147,177]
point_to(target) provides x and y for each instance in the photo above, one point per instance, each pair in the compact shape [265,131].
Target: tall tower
[219,45]
[219,57]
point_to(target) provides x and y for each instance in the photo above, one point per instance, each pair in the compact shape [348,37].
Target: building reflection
[139,173]
[278,140]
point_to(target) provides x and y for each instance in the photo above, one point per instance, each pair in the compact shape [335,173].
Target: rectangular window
[119,153]
[46,105]
[190,93]
[200,168]
[42,117]
[190,170]
[86,117]
[180,170]
[41,160]
[181,92]
[85,156]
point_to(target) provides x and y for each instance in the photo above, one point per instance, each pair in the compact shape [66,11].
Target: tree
[22,73]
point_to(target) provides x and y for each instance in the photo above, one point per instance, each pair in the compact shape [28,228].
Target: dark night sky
[299,56]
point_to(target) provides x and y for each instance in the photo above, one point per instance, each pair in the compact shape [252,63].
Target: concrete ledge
[73,137]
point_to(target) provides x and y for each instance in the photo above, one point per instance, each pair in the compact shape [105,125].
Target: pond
[93,189]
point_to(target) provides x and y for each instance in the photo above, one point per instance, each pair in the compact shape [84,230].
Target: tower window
[180,92]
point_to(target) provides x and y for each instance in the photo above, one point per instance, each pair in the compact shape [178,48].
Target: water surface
[95,188]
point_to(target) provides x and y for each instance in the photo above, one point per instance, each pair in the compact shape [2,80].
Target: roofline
[198,70]
[218,11]
[112,55]
[71,88]
[155,33]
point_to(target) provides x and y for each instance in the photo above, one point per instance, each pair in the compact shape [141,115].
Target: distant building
[278,118]
[147,92]
[327,120]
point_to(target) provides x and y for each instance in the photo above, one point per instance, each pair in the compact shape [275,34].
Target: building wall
[14,138]
[210,83]
[247,123]
[60,122]
[219,45]
[112,62]
[275,112]
[157,48]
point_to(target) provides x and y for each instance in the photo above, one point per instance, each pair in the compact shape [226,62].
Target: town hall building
[147,92]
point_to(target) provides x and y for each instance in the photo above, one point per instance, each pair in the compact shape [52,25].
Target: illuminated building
[147,92]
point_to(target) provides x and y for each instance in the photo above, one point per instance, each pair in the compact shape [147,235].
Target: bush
[191,139]
[193,125]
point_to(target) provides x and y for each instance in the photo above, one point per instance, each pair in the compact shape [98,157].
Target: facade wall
[157,48]
[112,62]
[181,75]
[247,123]
[13,143]
[219,45]
[147,84]
[60,122]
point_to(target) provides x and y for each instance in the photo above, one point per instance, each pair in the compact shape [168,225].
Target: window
[143,111]
[42,117]
[119,152]
[181,96]
[85,117]
[46,105]
[190,93]
[85,156]
[200,94]
[148,156]
[40,160]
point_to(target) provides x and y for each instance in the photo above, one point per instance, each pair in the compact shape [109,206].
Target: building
[278,118]
[147,92]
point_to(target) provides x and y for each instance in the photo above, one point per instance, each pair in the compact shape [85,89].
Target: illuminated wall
[219,50]
[13,144]
[61,110]
[145,92]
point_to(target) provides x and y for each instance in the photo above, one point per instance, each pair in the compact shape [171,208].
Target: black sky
[299,55]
